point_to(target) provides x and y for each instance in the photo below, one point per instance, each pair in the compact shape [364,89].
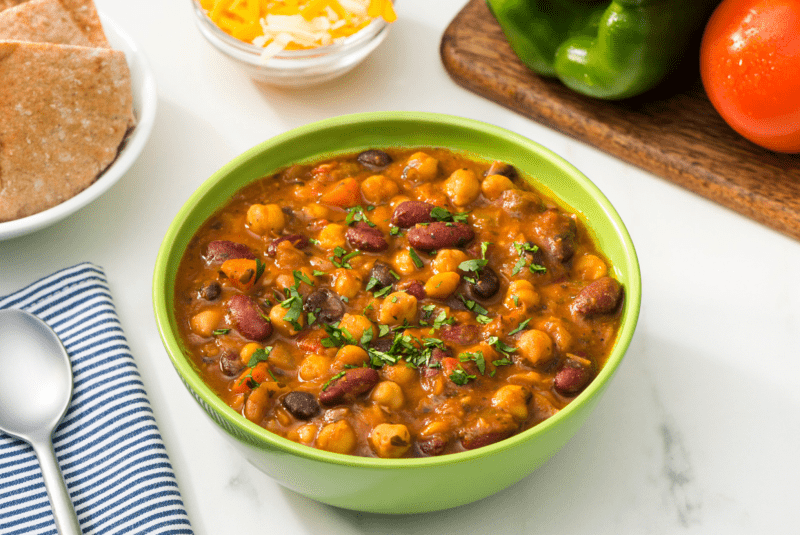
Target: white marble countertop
[699,431]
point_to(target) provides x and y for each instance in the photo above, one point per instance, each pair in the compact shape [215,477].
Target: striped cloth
[108,445]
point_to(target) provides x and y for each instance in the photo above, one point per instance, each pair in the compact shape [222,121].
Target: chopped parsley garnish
[220,332]
[500,346]
[318,273]
[476,264]
[394,231]
[356,214]
[473,306]
[294,303]
[259,355]
[476,357]
[503,362]
[337,337]
[332,379]
[260,267]
[443,214]
[521,249]
[341,258]
[522,326]
[415,258]
[461,377]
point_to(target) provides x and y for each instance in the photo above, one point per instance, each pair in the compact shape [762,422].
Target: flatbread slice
[5,4]
[67,22]
[64,111]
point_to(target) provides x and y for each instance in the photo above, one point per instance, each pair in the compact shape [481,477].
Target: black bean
[502,168]
[230,364]
[301,405]
[487,284]
[374,160]
[325,305]
[382,273]
[211,291]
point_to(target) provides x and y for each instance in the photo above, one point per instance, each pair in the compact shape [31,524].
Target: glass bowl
[294,68]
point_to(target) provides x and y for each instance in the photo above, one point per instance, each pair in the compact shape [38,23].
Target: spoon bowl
[35,391]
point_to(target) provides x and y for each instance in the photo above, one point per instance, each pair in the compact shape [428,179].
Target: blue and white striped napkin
[108,446]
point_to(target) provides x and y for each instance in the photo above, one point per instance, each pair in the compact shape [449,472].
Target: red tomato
[750,66]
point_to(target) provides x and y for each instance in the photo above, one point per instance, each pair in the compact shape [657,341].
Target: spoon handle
[63,512]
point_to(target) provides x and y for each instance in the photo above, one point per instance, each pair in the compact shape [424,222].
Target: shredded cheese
[278,25]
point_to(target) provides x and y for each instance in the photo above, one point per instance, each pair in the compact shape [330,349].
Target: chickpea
[448,260]
[286,328]
[559,332]
[494,185]
[255,407]
[400,373]
[388,394]
[313,367]
[589,267]
[337,437]
[462,187]
[350,355]
[378,189]
[356,325]
[514,400]
[421,167]
[390,440]
[442,284]
[381,217]
[281,357]
[332,236]
[346,282]
[246,353]
[535,347]
[287,256]
[316,211]
[434,428]
[206,322]
[521,294]
[265,218]
[306,433]
[397,308]
[403,263]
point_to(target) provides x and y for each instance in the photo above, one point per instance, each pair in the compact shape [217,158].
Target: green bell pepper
[607,50]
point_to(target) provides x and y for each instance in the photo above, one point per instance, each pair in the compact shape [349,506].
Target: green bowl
[399,485]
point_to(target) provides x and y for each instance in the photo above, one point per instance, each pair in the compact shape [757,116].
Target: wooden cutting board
[672,132]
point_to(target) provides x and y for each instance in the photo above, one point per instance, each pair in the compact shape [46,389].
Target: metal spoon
[31,410]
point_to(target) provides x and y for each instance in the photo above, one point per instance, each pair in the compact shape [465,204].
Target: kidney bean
[381,272]
[301,405]
[413,287]
[601,296]
[487,284]
[502,168]
[210,291]
[573,377]
[248,318]
[409,213]
[374,160]
[230,364]
[298,240]
[325,305]
[432,446]
[221,250]
[355,381]
[440,235]
[366,238]
[487,427]
[461,334]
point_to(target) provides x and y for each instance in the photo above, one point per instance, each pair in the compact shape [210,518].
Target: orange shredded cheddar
[280,25]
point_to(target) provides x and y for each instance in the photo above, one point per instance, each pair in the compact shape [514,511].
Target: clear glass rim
[251,54]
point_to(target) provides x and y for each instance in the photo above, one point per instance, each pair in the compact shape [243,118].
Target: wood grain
[673,132]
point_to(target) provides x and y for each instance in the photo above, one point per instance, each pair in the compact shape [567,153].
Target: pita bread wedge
[67,22]
[64,111]
[5,4]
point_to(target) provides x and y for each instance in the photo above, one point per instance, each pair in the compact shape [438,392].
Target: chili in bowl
[387,308]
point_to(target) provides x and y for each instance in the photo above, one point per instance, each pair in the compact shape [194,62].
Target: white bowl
[144,108]
[294,68]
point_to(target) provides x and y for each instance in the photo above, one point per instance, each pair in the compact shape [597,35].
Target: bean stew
[396,303]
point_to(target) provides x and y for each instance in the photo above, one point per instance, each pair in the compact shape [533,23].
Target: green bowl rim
[269,440]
